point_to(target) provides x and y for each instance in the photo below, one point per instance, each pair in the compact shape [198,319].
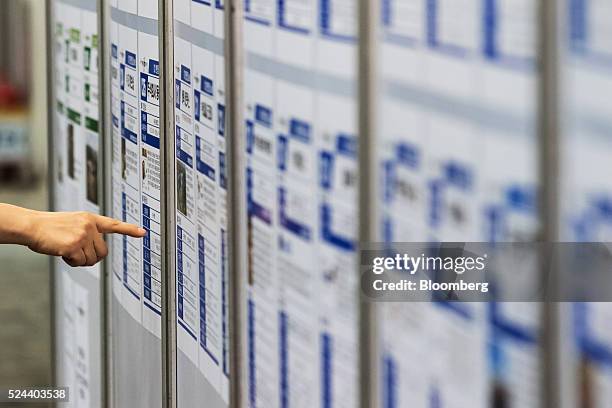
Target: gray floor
[25,341]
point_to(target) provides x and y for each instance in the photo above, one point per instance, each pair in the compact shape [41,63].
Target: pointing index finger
[107,225]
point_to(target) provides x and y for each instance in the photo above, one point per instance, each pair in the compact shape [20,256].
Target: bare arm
[75,236]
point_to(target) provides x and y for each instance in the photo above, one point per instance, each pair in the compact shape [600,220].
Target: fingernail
[142,231]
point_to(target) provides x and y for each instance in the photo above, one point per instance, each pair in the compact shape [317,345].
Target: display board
[456,146]
[586,188]
[300,167]
[75,140]
[456,150]
[200,177]
[136,264]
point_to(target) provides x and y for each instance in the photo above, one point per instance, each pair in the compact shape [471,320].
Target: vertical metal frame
[106,149]
[236,199]
[51,106]
[548,146]
[166,116]
[368,12]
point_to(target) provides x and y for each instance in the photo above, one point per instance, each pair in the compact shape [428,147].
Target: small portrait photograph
[144,165]
[59,160]
[181,188]
[70,152]
[91,179]
[123,160]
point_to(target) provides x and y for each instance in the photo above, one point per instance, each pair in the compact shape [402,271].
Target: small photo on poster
[123,160]
[59,163]
[181,188]
[92,174]
[87,59]
[70,153]
[144,165]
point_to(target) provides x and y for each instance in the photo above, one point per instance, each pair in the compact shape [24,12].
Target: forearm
[15,224]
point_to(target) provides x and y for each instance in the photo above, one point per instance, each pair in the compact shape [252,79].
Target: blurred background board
[25,337]
[457,154]
[16,86]
[586,189]
[300,114]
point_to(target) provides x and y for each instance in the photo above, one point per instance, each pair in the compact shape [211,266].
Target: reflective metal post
[166,116]
[106,138]
[368,348]
[51,106]
[236,199]
[549,190]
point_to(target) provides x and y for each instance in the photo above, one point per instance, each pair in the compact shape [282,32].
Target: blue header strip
[299,130]
[263,115]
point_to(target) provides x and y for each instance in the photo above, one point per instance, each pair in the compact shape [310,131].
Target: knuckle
[84,218]
[91,220]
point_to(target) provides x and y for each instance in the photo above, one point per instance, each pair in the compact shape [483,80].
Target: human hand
[75,236]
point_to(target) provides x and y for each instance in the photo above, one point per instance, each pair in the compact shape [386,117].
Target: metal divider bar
[236,199]
[367,33]
[106,136]
[549,190]
[51,106]
[166,112]
[105,191]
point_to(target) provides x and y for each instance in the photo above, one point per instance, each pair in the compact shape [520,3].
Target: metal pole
[549,191]
[166,116]
[51,106]
[105,135]
[368,347]
[236,198]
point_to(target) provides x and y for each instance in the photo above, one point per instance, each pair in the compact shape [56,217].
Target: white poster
[76,184]
[76,354]
[136,158]
[201,182]
[457,160]
[301,159]
[586,190]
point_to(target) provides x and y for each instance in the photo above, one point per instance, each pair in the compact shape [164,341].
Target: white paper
[136,179]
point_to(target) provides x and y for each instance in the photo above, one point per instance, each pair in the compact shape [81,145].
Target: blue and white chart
[586,189]
[136,158]
[457,91]
[301,160]
[201,190]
